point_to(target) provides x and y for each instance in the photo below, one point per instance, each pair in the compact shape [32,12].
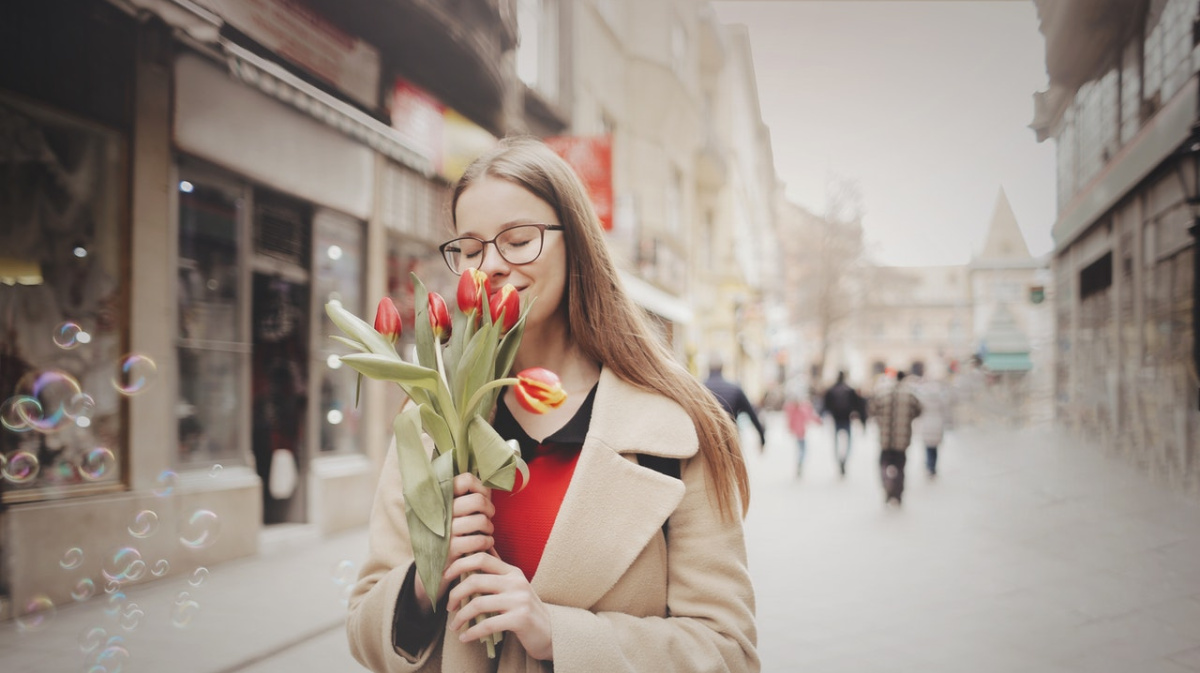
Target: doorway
[279,380]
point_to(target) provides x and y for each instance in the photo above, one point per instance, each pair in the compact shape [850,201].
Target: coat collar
[613,506]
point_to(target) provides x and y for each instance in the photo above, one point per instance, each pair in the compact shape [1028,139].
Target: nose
[492,263]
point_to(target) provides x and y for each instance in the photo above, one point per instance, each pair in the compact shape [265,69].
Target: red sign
[591,157]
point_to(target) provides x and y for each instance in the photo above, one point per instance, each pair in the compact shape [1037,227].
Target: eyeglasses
[517,245]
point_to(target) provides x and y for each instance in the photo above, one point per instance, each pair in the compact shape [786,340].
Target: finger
[471,524]
[472,503]
[482,584]
[468,483]
[481,604]
[483,563]
[465,545]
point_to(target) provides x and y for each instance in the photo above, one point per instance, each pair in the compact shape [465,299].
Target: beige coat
[604,573]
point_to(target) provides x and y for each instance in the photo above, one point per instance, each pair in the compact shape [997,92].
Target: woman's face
[491,205]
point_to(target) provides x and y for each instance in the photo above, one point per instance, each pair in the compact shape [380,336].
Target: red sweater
[524,518]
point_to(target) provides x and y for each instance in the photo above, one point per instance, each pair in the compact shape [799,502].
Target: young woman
[625,550]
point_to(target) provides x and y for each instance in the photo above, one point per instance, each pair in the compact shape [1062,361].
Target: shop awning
[1007,362]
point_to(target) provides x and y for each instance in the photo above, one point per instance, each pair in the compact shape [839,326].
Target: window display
[61,312]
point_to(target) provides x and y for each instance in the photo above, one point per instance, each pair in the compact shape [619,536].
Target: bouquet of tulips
[461,366]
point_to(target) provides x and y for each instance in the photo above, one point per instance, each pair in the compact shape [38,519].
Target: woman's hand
[470,527]
[500,592]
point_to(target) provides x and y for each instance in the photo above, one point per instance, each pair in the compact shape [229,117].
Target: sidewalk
[280,611]
[1028,553]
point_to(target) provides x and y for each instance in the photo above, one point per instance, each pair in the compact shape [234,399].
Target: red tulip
[539,390]
[505,304]
[471,286]
[387,320]
[439,317]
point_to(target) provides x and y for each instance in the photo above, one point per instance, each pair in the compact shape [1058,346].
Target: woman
[625,550]
[800,412]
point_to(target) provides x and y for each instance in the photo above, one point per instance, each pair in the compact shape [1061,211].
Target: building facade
[1122,110]
[187,184]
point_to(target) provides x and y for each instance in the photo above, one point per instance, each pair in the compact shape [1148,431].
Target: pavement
[1028,552]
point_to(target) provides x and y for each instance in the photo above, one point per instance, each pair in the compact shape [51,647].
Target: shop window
[338,274]
[62,318]
[212,346]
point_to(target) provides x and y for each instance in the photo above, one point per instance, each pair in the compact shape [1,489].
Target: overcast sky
[925,104]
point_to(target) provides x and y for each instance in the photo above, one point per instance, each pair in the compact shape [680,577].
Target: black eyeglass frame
[542,229]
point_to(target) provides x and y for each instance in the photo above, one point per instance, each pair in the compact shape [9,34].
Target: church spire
[1004,238]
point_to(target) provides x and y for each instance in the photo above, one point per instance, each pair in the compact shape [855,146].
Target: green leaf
[422,494]
[392,368]
[422,329]
[476,366]
[350,343]
[357,389]
[358,330]
[437,428]
[430,550]
[460,335]
[494,458]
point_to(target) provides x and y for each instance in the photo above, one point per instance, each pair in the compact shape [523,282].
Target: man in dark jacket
[842,401]
[732,397]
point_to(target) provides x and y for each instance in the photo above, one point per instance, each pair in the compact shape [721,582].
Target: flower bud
[387,320]
[471,286]
[439,317]
[538,390]
[505,305]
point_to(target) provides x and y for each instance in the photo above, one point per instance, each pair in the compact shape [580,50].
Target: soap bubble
[166,481]
[126,564]
[84,589]
[90,640]
[198,576]
[16,411]
[144,524]
[72,559]
[135,374]
[160,567]
[200,530]
[66,336]
[21,467]
[343,573]
[97,464]
[183,612]
[38,611]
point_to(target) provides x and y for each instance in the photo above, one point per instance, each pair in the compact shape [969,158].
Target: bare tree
[827,260]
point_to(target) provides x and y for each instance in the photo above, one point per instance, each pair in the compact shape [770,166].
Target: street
[1028,553]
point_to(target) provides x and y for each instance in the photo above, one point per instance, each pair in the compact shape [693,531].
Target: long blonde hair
[607,326]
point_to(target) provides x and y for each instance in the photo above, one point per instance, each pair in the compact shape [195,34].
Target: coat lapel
[613,506]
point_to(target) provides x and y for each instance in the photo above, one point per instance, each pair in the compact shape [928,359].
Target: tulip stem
[491,385]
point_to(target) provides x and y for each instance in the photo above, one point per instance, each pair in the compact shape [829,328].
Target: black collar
[571,434]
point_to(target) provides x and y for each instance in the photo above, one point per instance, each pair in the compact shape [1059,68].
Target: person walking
[841,403]
[894,408]
[733,398]
[935,417]
[798,408]
[625,549]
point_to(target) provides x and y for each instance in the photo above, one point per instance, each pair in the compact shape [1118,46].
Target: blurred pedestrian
[841,403]
[934,396]
[894,408]
[799,410]
[732,397]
